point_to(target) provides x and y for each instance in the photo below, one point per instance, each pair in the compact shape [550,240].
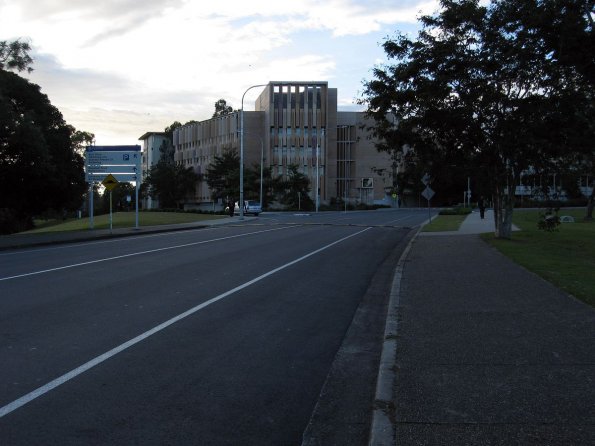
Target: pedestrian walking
[231,206]
[482,206]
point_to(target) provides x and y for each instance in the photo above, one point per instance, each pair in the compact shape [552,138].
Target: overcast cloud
[121,68]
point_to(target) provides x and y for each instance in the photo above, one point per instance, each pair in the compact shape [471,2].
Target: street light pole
[241,202]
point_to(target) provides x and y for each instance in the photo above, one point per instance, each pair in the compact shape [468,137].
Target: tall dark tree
[170,183]
[223,179]
[480,87]
[567,30]
[40,169]
[294,191]
[223,176]
[252,184]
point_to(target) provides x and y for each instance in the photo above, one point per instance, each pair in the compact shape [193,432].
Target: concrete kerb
[382,431]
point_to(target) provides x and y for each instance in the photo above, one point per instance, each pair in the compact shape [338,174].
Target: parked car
[250,207]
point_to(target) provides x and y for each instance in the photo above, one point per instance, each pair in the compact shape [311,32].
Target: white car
[250,207]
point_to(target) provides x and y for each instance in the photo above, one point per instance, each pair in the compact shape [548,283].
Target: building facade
[294,123]
[151,142]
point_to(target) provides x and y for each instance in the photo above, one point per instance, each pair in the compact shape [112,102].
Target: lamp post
[241,203]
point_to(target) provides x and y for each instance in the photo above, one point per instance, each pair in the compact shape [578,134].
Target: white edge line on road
[77,244]
[185,245]
[107,355]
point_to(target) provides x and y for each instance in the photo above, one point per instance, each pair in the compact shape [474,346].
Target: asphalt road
[214,336]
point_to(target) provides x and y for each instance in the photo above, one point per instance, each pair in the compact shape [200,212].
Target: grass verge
[125,220]
[565,257]
[444,223]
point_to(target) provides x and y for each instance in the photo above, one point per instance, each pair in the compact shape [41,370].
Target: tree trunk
[503,206]
[591,203]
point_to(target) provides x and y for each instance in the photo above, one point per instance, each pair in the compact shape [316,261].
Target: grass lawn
[123,220]
[444,223]
[565,257]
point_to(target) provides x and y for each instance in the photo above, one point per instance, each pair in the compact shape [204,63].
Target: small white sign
[428,193]
[426,179]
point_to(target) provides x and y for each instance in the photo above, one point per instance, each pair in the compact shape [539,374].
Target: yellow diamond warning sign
[110,182]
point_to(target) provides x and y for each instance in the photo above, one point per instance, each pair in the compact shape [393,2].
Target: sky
[121,68]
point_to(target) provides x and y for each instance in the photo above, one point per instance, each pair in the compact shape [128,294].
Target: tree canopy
[294,191]
[81,140]
[492,88]
[169,130]
[223,179]
[170,183]
[15,56]
[40,169]
[222,109]
[223,176]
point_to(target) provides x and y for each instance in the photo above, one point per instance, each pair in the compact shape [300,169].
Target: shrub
[11,222]
[549,221]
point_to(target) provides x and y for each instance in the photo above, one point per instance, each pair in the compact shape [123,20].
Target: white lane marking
[107,355]
[123,256]
[101,242]
[402,218]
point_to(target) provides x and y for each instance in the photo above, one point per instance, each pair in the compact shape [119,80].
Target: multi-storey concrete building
[151,143]
[294,123]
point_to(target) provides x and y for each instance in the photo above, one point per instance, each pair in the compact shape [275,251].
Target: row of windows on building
[281,155]
[283,132]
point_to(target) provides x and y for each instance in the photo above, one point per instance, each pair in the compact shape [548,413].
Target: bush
[10,222]
[549,221]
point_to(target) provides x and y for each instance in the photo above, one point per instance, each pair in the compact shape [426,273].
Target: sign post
[110,183]
[113,164]
[91,193]
[428,193]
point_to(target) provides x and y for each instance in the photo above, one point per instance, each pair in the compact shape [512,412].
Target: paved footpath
[487,353]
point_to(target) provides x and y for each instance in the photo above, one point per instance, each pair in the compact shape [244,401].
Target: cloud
[58,10]
[166,60]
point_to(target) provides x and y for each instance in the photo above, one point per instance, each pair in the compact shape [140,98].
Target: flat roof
[148,134]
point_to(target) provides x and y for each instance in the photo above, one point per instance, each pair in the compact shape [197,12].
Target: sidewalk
[486,353]
[473,224]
